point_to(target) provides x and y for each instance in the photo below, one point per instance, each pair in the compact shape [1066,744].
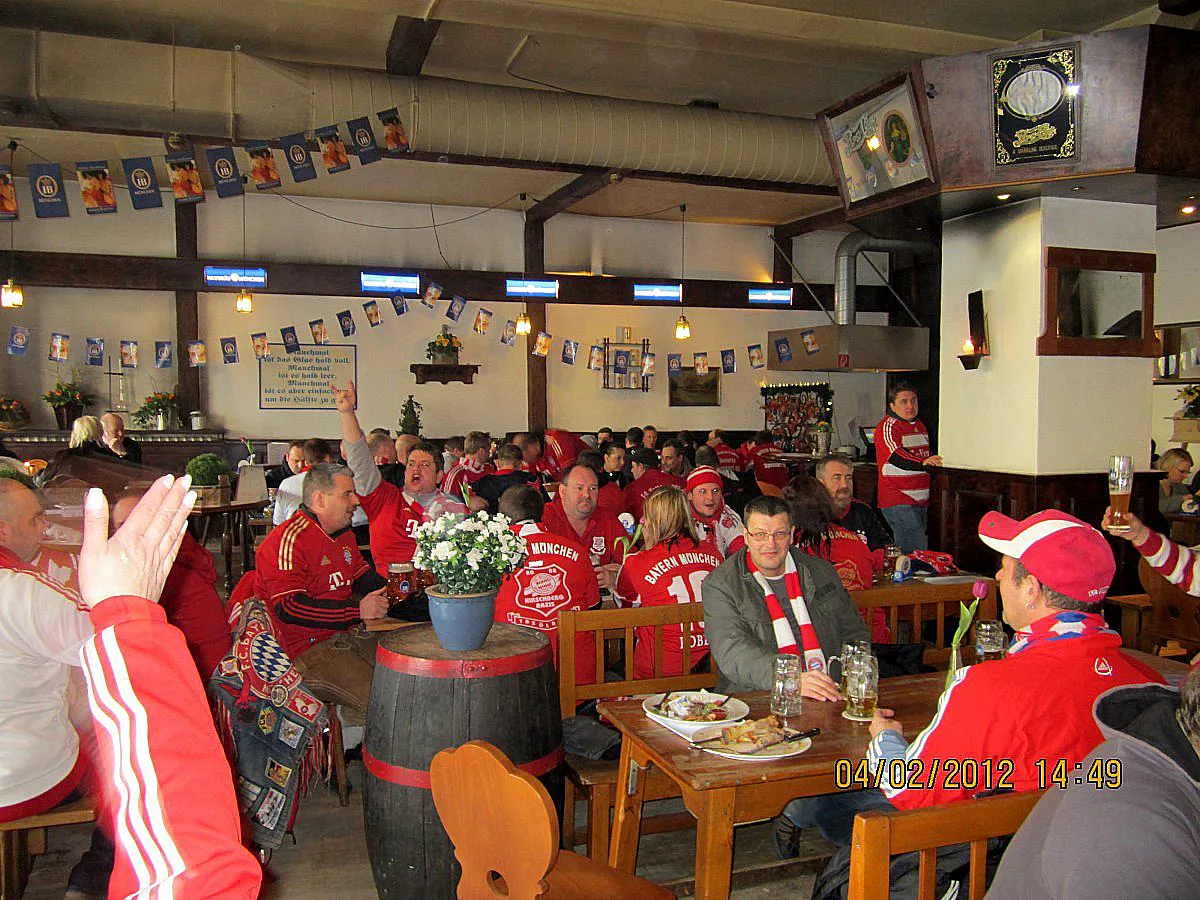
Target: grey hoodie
[1138,840]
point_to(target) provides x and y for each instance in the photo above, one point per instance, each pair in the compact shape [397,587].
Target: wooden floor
[329,858]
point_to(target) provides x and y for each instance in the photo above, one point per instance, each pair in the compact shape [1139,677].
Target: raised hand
[344,400]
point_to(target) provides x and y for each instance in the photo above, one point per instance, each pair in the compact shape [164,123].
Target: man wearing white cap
[1012,720]
[717,523]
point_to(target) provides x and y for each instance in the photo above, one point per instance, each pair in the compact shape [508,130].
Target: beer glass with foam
[1120,488]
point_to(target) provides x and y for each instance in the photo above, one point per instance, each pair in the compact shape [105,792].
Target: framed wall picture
[686,387]
[878,142]
[1035,100]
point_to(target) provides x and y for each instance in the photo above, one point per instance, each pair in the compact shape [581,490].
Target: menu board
[301,380]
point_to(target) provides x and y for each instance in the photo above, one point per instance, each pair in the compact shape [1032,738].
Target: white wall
[1019,412]
[279,230]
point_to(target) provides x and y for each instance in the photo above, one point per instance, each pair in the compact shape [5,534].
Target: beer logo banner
[129,354]
[700,363]
[291,343]
[674,362]
[371,310]
[46,186]
[185,177]
[299,160]
[164,355]
[18,340]
[226,175]
[728,361]
[96,187]
[569,351]
[541,346]
[455,310]
[595,358]
[262,349]
[229,350]
[95,352]
[395,138]
[320,334]
[757,358]
[8,195]
[347,322]
[60,347]
[399,304]
[783,347]
[363,139]
[483,318]
[648,363]
[263,171]
[197,354]
[333,150]
[142,182]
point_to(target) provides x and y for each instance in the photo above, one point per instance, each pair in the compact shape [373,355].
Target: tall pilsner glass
[1120,488]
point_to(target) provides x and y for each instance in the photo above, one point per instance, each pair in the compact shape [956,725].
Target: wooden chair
[23,839]
[596,780]
[769,490]
[1173,615]
[505,834]
[1134,609]
[918,603]
[879,835]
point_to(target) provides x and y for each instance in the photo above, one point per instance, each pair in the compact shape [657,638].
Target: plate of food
[686,712]
[758,739]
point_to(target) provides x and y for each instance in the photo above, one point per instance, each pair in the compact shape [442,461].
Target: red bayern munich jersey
[599,539]
[299,558]
[394,519]
[637,491]
[556,576]
[664,574]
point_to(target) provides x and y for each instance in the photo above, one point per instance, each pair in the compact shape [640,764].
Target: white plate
[775,751]
[951,579]
[735,711]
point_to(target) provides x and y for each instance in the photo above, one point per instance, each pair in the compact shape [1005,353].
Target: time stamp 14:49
[972,774]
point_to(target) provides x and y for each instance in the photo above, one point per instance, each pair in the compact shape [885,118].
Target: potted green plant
[443,349]
[67,399]
[13,414]
[159,411]
[210,478]
[822,436]
[410,417]
[468,556]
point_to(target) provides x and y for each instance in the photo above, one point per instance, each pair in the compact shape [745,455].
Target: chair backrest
[879,835]
[500,820]
[619,625]
[1174,614]
[921,603]
[769,490]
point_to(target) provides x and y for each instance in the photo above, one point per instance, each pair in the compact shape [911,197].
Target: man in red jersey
[573,515]
[717,523]
[728,459]
[532,459]
[393,514]
[903,455]
[555,576]
[473,465]
[646,477]
[1017,718]
[561,449]
[318,586]
[763,457]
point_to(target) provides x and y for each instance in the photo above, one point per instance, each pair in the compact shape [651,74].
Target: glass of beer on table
[990,640]
[786,701]
[1120,487]
[862,687]
[850,650]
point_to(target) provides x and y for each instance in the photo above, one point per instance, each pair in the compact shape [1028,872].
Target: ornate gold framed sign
[1035,105]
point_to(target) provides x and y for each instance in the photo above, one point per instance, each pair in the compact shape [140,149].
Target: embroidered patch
[268,813]
[267,719]
[247,792]
[290,733]
[346,553]
[278,772]
[304,705]
[1102,667]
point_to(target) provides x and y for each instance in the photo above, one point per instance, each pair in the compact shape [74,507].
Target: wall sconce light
[11,295]
[975,347]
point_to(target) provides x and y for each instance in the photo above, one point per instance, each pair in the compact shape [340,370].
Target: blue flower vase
[461,621]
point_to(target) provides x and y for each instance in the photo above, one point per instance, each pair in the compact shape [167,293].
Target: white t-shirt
[41,632]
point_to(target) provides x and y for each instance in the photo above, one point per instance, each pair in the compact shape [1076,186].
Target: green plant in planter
[207,468]
[410,417]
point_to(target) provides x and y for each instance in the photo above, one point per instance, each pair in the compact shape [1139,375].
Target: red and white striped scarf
[814,657]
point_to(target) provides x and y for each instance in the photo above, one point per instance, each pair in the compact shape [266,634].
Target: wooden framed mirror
[1099,303]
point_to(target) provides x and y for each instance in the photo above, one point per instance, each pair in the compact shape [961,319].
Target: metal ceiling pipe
[845,268]
[79,82]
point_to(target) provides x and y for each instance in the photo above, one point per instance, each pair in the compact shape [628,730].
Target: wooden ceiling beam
[569,194]
[409,45]
[834,218]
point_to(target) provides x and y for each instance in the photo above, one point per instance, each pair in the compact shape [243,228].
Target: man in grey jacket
[1128,824]
[743,627]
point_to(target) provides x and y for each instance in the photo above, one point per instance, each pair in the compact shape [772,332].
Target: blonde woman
[669,570]
[86,431]
[1177,463]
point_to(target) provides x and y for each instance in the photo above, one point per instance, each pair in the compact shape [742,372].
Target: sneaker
[787,837]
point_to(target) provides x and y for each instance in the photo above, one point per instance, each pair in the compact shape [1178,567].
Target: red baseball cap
[1065,554]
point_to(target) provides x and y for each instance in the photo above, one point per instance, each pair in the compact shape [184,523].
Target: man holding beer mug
[1003,725]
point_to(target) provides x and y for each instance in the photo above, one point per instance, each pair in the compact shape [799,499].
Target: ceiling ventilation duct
[845,345]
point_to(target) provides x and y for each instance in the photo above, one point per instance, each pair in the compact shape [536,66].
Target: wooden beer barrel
[424,699]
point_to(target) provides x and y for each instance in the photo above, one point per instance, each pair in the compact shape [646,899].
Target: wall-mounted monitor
[769,296]
[658,293]
[224,276]
[520,287]
[389,283]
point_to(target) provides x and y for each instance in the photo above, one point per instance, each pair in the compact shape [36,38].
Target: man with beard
[717,523]
[836,473]
[573,515]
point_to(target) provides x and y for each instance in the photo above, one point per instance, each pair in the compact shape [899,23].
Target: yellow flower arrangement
[443,344]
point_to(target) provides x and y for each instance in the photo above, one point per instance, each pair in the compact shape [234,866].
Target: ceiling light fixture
[11,295]
[1003,196]
[245,300]
[524,326]
[1188,210]
[683,328]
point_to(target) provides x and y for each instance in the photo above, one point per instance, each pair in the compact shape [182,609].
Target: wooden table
[234,515]
[722,793]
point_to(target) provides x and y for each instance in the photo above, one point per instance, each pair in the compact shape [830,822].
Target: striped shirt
[901,448]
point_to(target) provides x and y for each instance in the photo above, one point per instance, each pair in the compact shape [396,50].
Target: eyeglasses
[761,537]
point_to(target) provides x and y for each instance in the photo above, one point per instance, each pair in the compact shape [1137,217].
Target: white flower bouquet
[468,554]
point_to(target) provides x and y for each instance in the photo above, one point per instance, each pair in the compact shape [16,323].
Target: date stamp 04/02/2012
[973,775]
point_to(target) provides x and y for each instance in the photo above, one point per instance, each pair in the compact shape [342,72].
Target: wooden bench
[879,835]
[595,781]
[1173,614]
[23,839]
[918,602]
